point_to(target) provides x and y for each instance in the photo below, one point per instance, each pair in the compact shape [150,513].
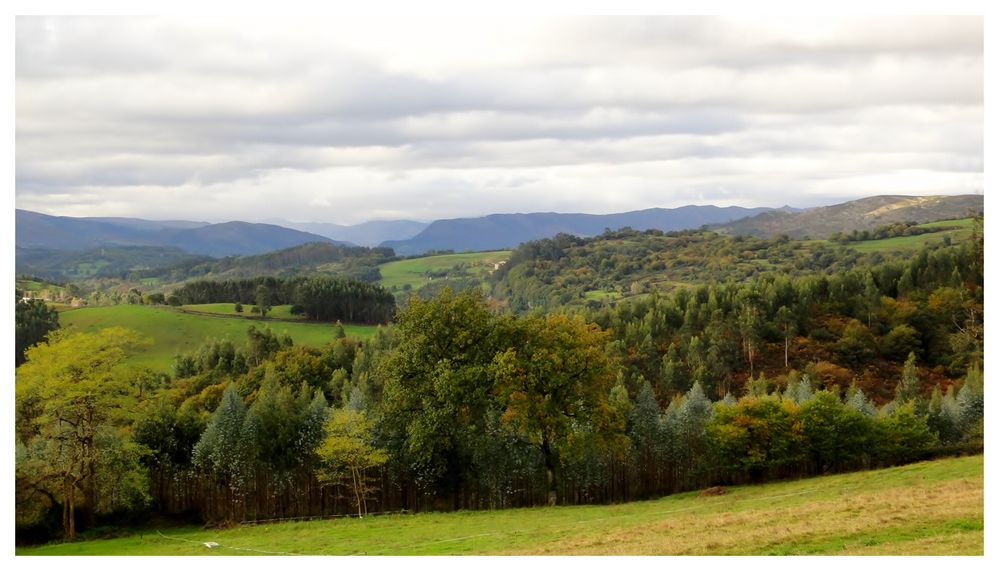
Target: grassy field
[413,271]
[922,509]
[175,332]
[276,312]
[913,243]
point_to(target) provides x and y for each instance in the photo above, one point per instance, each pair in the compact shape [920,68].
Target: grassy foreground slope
[934,507]
[174,332]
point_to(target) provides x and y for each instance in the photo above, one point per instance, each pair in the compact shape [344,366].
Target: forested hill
[499,231]
[567,270]
[307,259]
[862,214]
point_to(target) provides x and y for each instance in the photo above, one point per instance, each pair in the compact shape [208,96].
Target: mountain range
[499,231]
[35,230]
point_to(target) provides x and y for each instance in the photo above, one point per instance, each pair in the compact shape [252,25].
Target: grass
[175,332]
[929,508]
[961,231]
[413,271]
[600,295]
[276,312]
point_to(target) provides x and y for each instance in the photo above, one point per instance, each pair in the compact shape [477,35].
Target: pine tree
[908,388]
[223,451]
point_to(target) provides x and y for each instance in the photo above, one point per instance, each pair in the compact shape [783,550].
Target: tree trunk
[546,449]
[71,500]
[357,491]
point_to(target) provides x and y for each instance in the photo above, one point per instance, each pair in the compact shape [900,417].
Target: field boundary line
[214,544]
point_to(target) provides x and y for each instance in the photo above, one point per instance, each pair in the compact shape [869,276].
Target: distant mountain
[499,231]
[140,224]
[370,233]
[35,230]
[862,214]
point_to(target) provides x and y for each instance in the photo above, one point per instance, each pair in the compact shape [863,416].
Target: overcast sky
[337,120]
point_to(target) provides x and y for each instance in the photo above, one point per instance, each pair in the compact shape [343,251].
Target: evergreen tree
[908,387]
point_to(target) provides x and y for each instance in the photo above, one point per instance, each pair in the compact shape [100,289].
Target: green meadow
[276,312]
[929,508]
[173,331]
[414,271]
[961,231]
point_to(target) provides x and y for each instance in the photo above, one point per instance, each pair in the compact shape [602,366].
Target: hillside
[304,259]
[863,214]
[35,230]
[567,270]
[108,261]
[173,331]
[414,273]
[501,231]
[929,508]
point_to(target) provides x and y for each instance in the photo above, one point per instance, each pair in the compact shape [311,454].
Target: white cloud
[373,118]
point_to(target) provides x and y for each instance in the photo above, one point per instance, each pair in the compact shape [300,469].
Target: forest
[780,359]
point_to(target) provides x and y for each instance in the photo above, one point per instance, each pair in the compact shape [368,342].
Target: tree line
[318,298]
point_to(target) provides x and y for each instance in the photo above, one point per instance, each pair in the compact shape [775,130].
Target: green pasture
[413,271]
[173,331]
[276,312]
[961,231]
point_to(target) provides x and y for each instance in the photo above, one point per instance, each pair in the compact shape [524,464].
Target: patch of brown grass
[833,526]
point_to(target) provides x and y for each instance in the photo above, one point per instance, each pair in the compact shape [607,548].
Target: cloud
[367,118]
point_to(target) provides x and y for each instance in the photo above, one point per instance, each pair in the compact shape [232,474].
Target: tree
[755,436]
[347,454]
[855,345]
[437,387]
[835,434]
[264,299]
[749,326]
[224,451]
[902,435]
[556,376]
[238,308]
[33,320]
[907,388]
[73,394]
[788,324]
[971,400]
[901,341]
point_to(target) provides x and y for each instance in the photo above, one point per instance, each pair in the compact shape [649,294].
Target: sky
[348,119]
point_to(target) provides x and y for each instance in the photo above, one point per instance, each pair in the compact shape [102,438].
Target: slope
[863,214]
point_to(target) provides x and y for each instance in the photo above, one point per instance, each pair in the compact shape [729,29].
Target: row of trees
[888,231]
[319,298]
